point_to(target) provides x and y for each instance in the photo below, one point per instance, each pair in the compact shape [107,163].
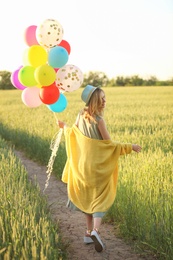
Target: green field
[143,210]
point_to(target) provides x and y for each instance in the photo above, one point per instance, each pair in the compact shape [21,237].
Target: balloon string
[55,116]
[54,147]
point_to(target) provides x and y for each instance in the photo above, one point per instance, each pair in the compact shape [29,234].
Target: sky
[117,37]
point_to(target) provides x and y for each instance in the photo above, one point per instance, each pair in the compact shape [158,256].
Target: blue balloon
[57,57]
[60,105]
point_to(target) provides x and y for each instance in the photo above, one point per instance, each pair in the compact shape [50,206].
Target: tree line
[99,79]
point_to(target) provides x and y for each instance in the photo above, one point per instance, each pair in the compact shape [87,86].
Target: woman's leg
[89,221]
[89,227]
[95,233]
[97,223]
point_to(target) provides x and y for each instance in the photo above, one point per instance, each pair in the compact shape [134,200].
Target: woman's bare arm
[103,130]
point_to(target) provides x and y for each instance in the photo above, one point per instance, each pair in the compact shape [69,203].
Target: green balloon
[26,76]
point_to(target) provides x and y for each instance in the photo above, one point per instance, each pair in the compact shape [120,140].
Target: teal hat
[87,92]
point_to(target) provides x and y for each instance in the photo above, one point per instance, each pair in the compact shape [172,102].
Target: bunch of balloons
[45,75]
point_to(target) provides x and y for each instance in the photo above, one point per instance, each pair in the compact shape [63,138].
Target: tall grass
[143,207]
[26,228]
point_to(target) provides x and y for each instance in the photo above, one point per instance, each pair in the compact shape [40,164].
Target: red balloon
[49,94]
[65,45]
[56,69]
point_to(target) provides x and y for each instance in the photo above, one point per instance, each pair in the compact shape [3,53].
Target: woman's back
[88,127]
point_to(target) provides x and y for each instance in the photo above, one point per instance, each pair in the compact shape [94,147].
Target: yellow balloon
[37,56]
[45,75]
[25,58]
[39,86]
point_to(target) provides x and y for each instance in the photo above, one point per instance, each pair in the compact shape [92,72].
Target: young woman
[91,171]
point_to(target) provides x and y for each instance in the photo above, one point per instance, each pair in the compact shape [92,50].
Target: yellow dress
[91,170]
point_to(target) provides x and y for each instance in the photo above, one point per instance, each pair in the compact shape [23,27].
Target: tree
[5,80]
[120,81]
[151,81]
[171,82]
[136,81]
[96,79]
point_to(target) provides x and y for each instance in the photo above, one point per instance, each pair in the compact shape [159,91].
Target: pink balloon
[30,35]
[15,81]
[30,97]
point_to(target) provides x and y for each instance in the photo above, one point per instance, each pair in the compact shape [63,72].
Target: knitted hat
[87,92]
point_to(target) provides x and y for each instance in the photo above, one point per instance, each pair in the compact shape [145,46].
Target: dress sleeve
[126,148]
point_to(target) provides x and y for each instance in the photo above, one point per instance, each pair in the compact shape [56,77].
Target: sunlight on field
[26,227]
[143,115]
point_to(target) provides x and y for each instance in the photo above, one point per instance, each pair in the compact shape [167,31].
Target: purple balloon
[15,81]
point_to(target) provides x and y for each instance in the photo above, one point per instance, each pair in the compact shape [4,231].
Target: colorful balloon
[65,45]
[50,94]
[30,35]
[37,56]
[49,33]
[15,80]
[57,57]
[30,97]
[56,69]
[60,105]
[26,76]
[69,78]
[25,58]
[45,75]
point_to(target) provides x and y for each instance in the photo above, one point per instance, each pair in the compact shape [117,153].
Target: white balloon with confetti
[69,78]
[49,33]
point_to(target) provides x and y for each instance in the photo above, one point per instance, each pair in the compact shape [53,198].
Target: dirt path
[72,224]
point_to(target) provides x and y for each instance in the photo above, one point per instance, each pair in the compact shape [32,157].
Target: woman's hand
[61,124]
[137,148]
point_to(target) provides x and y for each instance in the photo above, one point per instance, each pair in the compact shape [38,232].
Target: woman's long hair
[94,106]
